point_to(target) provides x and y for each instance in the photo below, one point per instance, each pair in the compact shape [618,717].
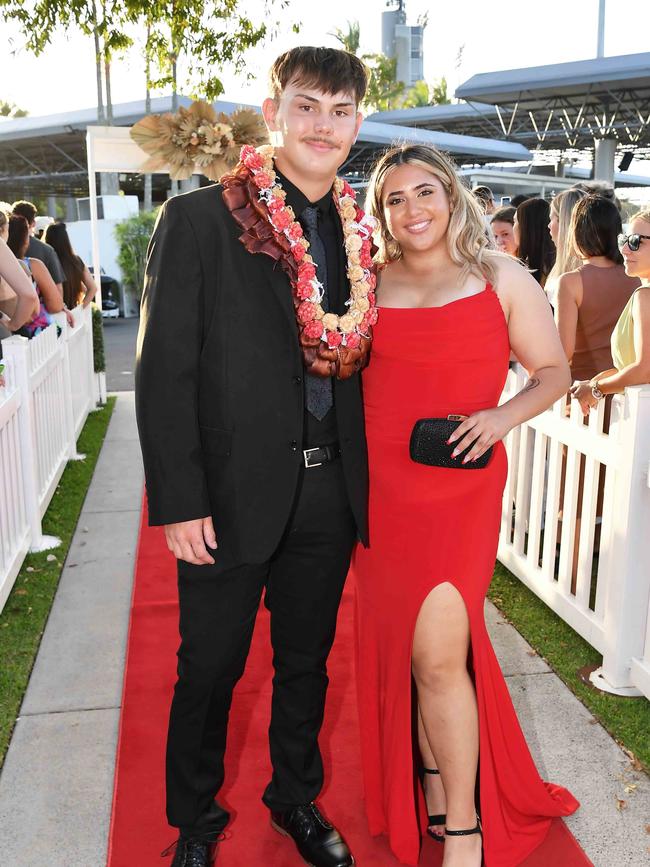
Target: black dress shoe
[191,852]
[318,842]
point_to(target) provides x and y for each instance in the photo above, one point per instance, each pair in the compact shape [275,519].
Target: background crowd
[575,248]
[38,276]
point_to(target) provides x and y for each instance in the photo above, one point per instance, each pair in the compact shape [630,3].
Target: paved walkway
[120,336]
[56,785]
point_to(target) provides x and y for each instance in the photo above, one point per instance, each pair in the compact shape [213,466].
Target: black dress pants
[303,582]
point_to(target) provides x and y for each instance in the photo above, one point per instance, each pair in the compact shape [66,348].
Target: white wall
[80,237]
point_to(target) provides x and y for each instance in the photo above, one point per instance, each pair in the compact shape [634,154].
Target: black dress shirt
[324,432]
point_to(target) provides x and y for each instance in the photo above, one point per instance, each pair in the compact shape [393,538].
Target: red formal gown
[430,525]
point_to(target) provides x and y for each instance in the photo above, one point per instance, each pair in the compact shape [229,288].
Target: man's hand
[188,539]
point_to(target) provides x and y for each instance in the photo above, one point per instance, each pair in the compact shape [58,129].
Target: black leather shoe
[318,842]
[190,852]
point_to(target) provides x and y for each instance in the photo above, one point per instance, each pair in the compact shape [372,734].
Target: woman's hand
[483,429]
[581,391]
[69,317]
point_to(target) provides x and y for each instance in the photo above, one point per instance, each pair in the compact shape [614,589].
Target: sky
[493,34]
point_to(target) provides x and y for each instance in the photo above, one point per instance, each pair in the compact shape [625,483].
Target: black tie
[319,388]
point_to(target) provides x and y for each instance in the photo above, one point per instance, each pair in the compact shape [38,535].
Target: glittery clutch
[429,444]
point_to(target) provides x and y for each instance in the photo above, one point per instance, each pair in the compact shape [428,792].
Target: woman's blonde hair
[643,214]
[567,258]
[467,241]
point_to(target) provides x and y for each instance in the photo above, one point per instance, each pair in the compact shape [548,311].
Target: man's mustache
[319,140]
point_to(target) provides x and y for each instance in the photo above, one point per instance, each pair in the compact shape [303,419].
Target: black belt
[320,455]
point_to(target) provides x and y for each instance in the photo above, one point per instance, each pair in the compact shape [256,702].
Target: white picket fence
[51,387]
[576,526]
[590,562]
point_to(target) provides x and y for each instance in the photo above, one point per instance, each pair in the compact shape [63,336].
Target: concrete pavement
[119,340]
[56,784]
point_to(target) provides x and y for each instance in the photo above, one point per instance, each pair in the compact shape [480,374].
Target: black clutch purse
[429,444]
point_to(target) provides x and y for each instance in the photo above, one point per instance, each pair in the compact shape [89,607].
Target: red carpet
[138,828]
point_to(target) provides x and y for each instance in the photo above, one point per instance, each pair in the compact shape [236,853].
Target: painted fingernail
[466,458]
[454,454]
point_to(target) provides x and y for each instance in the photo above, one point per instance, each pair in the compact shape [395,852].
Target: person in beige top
[630,340]
[590,298]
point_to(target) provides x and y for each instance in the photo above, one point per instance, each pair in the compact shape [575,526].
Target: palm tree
[421,94]
[350,40]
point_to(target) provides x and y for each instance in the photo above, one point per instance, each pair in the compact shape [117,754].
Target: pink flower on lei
[306,311]
[250,158]
[313,328]
[352,340]
[334,339]
[262,180]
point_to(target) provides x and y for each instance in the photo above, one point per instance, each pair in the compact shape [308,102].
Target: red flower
[371,298]
[360,213]
[334,339]
[365,259]
[313,328]
[276,204]
[352,340]
[304,289]
[348,191]
[298,252]
[295,231]
[250,158]
[307,271]
[306,311]
[372,315]
[372,281]
[262,180]
[282,219]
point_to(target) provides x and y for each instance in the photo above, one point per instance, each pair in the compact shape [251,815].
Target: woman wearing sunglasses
[631,336]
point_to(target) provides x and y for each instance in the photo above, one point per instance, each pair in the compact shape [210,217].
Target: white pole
[92,192]
[600,50]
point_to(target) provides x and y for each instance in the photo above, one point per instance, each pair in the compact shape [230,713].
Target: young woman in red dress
[451,310]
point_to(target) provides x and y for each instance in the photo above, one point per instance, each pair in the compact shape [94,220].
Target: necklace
[332,344]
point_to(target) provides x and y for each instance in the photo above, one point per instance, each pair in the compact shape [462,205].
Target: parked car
[110,296]
[110,308]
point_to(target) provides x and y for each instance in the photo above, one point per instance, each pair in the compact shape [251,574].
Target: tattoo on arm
[532,383]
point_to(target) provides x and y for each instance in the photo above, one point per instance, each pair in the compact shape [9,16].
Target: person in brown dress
[591,298]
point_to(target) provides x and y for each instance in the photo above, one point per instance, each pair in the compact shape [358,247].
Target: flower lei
[342,342]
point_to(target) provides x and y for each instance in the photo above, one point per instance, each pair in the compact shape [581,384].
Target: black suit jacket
[219,384]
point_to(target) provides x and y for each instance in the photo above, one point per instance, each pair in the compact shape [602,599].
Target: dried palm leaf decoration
[197,139]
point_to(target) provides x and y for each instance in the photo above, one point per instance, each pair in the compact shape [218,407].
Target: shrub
[98,340]
[133,237]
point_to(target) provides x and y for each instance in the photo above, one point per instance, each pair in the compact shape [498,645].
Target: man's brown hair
[326,69]
[26,210]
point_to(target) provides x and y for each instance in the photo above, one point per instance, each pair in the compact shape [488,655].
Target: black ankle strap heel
[465,832]
[440,819]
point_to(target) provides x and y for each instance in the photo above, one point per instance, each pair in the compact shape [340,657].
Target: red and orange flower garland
[352,330]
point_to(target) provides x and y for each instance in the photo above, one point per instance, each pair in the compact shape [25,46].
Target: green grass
[626,719]
[24,616]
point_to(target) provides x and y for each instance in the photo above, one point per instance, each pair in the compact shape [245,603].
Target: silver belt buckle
[306,453]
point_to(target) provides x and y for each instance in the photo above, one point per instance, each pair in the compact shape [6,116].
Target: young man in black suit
[255,461]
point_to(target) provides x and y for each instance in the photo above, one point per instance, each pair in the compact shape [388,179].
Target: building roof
[124,114]
[560,108]
[535,85]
